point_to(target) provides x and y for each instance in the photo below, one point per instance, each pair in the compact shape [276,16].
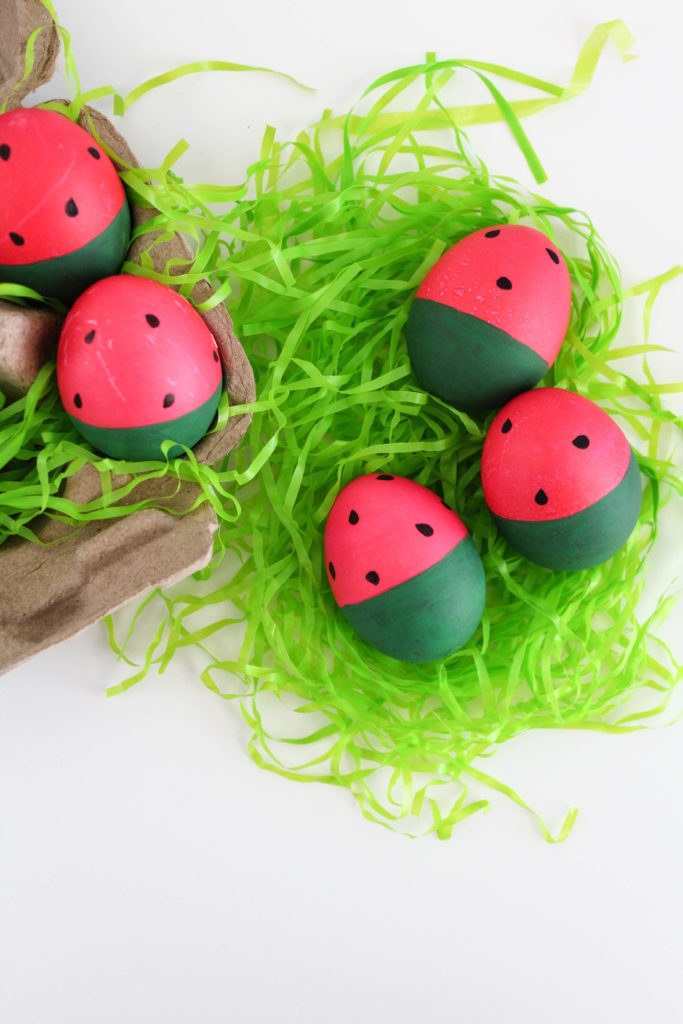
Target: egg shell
[560,479]
[137,365]
[64,217]
[490,316]
[403,568]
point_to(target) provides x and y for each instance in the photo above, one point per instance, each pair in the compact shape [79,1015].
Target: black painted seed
[506,426]
[505,283]
[4,151]
[353,517]
[553,256]
[152,320]
[89,336]
[446,506]
[541,498]
[169,399]
[425,529]
[215,356]
[385,476]
[71,209]
[372,577]
[17,239]
[492,234]
[581,441]
[93,152]
[78,401]
[332,572]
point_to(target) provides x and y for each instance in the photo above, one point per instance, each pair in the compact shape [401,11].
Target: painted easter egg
[64,218]
[489,317]
[403,568]
[137,365]
[560,479]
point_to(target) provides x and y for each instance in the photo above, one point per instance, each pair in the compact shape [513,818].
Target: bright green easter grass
[319,253]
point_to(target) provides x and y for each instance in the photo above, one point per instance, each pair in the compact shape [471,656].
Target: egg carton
[54,589]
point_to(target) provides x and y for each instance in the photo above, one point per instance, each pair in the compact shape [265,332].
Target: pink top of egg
[59,188]
[512,277]
[550,453]
[386,527]
[135,352]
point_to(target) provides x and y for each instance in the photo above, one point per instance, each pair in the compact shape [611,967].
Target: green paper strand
[319,252]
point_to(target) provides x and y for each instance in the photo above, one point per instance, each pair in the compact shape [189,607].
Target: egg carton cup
[53,589]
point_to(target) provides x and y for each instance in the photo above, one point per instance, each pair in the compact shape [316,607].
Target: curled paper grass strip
[320,251]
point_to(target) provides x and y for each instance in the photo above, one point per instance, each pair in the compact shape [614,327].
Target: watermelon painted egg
[489,317]
[560,479]
[64,218]
[403,568]
[137,365]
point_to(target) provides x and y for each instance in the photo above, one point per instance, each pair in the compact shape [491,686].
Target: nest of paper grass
[321,251]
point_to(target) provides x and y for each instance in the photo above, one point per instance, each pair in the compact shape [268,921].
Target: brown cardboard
[28,338]
[52,591]
[20,18]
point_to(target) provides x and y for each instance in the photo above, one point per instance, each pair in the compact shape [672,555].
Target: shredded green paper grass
[319,253]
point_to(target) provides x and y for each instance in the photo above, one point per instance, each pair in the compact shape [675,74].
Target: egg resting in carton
[53,591]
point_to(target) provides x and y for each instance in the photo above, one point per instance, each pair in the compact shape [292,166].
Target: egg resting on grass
[489,317]
[560,479]
[137,365]
[403,568]
[64,217]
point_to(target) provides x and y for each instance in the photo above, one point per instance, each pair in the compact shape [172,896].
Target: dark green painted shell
[584,539]
[141,443]
[471,364]
[429,616]
[66,277]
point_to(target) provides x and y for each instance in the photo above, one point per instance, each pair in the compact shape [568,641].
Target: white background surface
[148,870]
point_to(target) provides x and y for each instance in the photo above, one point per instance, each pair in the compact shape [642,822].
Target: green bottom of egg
[585,539]
[136,444]
[467,362]
[66,277]
[430,616]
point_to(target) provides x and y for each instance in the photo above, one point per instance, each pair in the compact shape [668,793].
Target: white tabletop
[150,871]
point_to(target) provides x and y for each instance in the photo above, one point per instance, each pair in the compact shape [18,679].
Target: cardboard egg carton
[51,591]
